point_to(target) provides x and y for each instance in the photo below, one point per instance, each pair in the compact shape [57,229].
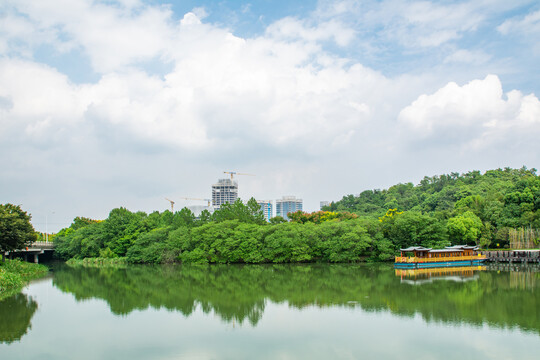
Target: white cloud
[528,24]
[468,57]
[279,104]
[421,24]
[476,113]
[40,96]
[113,37]
[291,28]
[223,88]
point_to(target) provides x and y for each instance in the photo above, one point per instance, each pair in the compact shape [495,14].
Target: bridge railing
[42,243]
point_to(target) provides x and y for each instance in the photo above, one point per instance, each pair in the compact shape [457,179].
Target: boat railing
[413,259]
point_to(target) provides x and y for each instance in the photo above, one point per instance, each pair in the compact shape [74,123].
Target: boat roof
[447,249]
[463,247]
[416,248]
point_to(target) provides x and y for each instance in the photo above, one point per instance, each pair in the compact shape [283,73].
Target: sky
[117,103]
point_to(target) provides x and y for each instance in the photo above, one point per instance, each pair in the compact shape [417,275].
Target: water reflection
[15,315]
[426,276]
[241,293]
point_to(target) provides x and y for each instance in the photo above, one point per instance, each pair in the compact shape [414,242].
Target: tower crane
[172,205]
[209,201]
[232,173]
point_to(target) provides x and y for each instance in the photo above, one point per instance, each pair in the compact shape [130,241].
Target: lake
[313,311]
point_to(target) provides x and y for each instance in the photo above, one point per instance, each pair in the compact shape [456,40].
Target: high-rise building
[287,205]
[267,208]
[225,191]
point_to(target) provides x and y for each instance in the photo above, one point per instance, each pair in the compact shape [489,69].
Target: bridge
[37,248]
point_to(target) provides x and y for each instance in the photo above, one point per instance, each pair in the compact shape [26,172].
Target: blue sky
[123,103]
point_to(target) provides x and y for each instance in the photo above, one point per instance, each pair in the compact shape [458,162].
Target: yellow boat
[416,257]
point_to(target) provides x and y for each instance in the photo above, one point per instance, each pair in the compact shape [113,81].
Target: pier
[513,256]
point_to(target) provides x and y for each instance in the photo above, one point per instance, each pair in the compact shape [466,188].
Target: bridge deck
[35,249]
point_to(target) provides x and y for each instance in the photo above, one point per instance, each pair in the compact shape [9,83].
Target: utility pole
[47,226]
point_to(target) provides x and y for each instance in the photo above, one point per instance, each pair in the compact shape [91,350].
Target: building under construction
[225,191]
[267,208]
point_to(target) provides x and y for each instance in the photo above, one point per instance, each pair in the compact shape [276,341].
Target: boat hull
[422,265]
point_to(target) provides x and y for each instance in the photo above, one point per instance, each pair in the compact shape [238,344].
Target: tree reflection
[240,293]
[15,314]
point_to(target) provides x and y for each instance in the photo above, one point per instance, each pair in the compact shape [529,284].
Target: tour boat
[416,257]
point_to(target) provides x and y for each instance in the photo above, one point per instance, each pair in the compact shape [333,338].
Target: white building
[288,204]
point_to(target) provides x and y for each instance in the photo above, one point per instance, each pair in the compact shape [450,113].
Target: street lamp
[46,226]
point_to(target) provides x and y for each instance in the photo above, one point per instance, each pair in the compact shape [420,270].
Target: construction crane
[172,205]
[232,173]
[209,201]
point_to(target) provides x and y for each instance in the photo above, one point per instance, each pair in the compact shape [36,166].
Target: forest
[496,209]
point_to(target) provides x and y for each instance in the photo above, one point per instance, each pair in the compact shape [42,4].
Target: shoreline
[16,274]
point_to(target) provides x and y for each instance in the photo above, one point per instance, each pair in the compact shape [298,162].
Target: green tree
[16,231]
[465,228]
[205,217]
[345,241]
[80,222]
[184,218]
[277,220]
[148,248]
[257,216]
[246,213]
[122,228]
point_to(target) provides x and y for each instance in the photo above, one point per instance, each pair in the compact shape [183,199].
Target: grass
[99,262]
[15,274]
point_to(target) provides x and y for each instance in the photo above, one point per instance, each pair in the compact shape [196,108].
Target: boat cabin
[449,251]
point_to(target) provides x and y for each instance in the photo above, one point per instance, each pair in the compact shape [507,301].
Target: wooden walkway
[513,256]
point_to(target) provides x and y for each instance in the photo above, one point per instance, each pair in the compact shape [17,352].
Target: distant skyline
[125,103]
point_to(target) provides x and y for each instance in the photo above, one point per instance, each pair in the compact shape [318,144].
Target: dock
[512,256]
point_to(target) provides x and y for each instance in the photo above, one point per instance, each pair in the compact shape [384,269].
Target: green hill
[502,197]
[504,203]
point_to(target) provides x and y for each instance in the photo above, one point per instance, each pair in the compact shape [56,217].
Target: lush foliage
[16,232]
[14,274]
[474,207]
[237,233]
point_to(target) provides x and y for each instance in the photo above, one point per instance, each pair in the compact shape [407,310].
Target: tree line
[236,233]
[472,208]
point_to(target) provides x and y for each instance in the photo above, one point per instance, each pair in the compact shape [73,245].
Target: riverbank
[15,274]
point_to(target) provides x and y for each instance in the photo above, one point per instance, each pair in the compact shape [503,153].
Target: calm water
[274,312]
